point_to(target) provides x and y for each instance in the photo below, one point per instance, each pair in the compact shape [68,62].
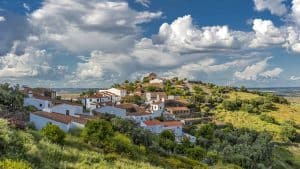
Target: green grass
[74,154]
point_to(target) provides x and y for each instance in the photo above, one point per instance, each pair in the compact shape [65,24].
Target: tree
[206,131]
[53,133]
[167,134]
[97,132]
[243,89]
[196,153]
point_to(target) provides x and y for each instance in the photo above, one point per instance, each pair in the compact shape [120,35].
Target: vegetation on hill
[248,129]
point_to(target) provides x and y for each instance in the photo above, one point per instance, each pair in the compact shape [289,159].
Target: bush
[196,153]
[288,131]
[14,164]
[53,133]
[167,134]
[267,118]
[31,126]
[97,132]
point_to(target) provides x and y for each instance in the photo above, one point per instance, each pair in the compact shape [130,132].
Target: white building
[129,111]
[157,106]
[40,102]
[157,127]
[118,92]
[156,81]
[64,122]
[156,96]
[67,109]
[119,112]
[100,98]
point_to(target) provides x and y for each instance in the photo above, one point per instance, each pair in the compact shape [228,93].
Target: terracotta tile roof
[57,102]
[165,123]
[102,94]
[178,108]
[152,122]
[41,97]
[62,118]
[172,123]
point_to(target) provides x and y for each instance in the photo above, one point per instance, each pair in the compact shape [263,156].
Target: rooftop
[177,108]
[165,123]
[62,118]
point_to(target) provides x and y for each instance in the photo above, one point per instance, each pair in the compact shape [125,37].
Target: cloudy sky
[79,43]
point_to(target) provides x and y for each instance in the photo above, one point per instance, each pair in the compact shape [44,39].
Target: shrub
[206,131]
[288,131]
[196,153]
[53,133]
[267,118]
[167,134]
[14,164]
[31,126]
[97,132]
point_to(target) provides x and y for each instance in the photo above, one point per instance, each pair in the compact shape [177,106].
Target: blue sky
[74,43]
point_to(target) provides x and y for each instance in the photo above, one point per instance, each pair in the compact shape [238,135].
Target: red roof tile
[61,118]
[152,122]
[165,123]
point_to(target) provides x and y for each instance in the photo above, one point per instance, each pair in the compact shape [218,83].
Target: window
[41,105]
[90,100]
[67,112]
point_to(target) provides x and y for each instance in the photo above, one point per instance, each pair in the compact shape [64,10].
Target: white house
[129,111]
[40,102]
[156,96]
[157,127]
[157,106]
[118,92]
[156,81]
[119,112]
[100,98]
[64,122]
[67,109]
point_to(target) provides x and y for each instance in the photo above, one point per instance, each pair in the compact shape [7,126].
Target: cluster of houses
[68,115]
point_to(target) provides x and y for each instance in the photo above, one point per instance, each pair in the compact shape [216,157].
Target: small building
[156,96]
[128,111]
[152,76]
[118,92]
[38,101]
[157,127]
[157,106]
[119,112]
[178,110]
[64,122]
[156,81]
[100,98]
[68,109]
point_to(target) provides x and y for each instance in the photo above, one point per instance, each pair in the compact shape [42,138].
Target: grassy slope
[74,154]
[284,155]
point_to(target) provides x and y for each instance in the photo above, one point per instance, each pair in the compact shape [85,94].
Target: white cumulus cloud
[251,72]
[2,19]
[276,7]
[272,73]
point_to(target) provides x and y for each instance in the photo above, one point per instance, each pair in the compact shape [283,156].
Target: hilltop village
[153,122]
[147,103]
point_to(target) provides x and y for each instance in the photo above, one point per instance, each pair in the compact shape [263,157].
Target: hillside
[242,129]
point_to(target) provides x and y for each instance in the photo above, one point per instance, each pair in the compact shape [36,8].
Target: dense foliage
[53,133]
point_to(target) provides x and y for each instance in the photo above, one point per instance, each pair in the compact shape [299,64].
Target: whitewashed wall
[38,103]
[112,110]
[62,108]
[40,122]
